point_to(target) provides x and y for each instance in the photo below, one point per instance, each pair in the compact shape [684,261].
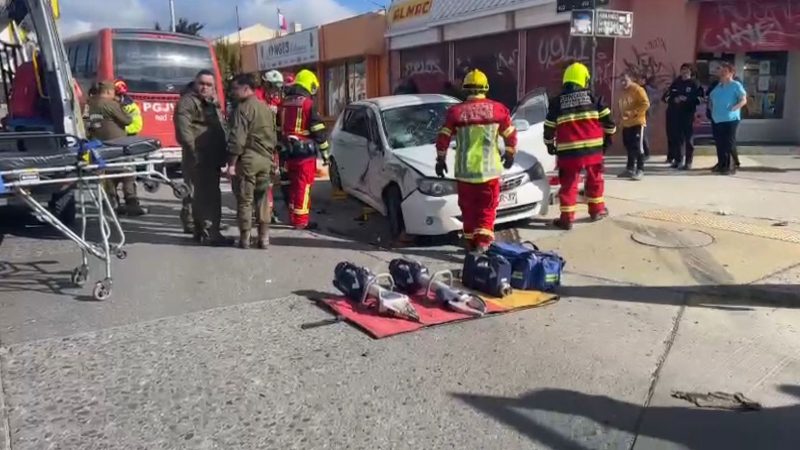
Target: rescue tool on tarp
[412,277]
[361,286]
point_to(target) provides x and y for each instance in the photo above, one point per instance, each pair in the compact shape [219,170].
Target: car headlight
[436,187]
[536,172]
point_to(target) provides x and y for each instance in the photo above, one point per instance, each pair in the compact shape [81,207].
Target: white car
[383,154]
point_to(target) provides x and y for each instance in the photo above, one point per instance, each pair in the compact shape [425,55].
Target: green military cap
[105,86]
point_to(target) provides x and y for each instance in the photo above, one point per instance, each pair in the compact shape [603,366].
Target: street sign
[614,24]
[582,23]
[570,5]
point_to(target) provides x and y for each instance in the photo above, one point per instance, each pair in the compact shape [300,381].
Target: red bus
[156,65]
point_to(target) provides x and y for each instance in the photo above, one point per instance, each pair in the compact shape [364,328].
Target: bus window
[80,58]
[159,66]
[91,65]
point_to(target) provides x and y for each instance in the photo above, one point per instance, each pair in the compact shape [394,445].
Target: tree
[228,58]
[185,27]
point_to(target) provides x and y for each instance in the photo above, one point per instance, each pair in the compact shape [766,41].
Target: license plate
[508,199]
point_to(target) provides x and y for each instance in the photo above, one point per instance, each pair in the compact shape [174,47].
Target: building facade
[349,58]
[524,45]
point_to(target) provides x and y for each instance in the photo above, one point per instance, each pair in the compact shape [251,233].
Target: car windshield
[159,66]
[412,126]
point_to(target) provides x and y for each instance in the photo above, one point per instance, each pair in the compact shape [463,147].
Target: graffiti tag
[422,66]
[746,25]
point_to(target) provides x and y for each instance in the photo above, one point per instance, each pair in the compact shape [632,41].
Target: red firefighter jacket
[476,124]
[298,118]
[577,124]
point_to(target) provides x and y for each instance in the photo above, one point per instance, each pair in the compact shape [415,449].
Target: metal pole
[593,79]
[239,37]
[172,15]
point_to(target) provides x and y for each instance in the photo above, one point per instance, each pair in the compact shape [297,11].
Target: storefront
[762,40]
[354,65]
[521,45]
[290,53]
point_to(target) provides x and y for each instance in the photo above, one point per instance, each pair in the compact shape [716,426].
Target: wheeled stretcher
[82,166]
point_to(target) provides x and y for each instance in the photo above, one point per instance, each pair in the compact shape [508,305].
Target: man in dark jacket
[199,128]
[682,98]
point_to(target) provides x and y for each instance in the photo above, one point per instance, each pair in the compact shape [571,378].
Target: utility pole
[172,15]
[594,45]
[239,31]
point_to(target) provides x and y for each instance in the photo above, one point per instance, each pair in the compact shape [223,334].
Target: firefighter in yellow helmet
[577,130]
[476,125]
[303,136]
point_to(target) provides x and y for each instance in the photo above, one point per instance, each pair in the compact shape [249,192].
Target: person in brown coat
[200,129]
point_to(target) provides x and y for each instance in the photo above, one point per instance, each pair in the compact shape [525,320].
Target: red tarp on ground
[430,314]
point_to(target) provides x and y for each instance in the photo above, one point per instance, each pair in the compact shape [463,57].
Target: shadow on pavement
[34,277]
[690,427]
[729,296]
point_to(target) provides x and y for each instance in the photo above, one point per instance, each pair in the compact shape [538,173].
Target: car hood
[423,160]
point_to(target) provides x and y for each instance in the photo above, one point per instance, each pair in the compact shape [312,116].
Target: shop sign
[734,27]
[570,5]
[409,10]
[291,50]
[613,24]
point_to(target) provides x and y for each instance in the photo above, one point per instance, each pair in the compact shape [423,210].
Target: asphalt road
[203,348]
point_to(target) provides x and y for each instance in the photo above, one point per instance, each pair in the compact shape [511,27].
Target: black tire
[394,210]
[336,180]
[63,206]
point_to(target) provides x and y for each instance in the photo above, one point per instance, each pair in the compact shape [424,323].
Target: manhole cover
[661,238]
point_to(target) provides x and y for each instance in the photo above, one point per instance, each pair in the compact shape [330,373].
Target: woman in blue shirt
[726,101]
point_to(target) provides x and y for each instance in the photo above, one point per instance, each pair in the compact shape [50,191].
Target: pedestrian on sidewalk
[251,146]
[726,101]
[634,104]
[682,98]
[578,129]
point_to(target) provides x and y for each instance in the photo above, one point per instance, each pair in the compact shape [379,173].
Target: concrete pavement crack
[656,375]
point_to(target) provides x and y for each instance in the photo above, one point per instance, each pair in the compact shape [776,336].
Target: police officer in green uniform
[107,121]
[200,129]
[251,143]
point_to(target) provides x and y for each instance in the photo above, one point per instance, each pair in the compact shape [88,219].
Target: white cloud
[79,16]
[219,16]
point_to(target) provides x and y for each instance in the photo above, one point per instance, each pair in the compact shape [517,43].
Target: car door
[377,176]
[351,148]
[529,117]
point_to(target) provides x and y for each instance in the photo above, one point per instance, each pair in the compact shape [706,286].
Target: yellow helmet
[476,81]
[577,73]
[306,79]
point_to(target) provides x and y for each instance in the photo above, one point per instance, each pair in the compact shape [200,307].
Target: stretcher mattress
[111,150]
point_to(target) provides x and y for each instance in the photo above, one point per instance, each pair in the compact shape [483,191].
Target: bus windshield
[157,66]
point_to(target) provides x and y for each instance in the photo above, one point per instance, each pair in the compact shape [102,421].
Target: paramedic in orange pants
[577,130]
[476,125]
[303,136]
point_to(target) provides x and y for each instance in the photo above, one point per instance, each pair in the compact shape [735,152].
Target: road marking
[710,221]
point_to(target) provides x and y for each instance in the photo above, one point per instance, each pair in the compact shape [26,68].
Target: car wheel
[63,207]
[394,210]
[336,180]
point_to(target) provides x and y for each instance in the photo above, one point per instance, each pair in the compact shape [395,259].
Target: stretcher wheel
[79,276]
[102,290]
[122,254]
[180,191]
[151,186]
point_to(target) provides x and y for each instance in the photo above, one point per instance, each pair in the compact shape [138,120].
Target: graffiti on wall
[649,63]
[552,49]
[423,65]
[745,26]
[498,57]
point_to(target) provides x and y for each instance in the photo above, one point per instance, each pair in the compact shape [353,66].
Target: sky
[79,16]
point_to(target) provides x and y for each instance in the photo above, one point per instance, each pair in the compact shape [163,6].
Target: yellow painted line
[718,223]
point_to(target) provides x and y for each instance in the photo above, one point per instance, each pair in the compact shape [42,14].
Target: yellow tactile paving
[720,223]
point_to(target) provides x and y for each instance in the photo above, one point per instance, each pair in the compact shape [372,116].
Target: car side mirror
[522,125]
